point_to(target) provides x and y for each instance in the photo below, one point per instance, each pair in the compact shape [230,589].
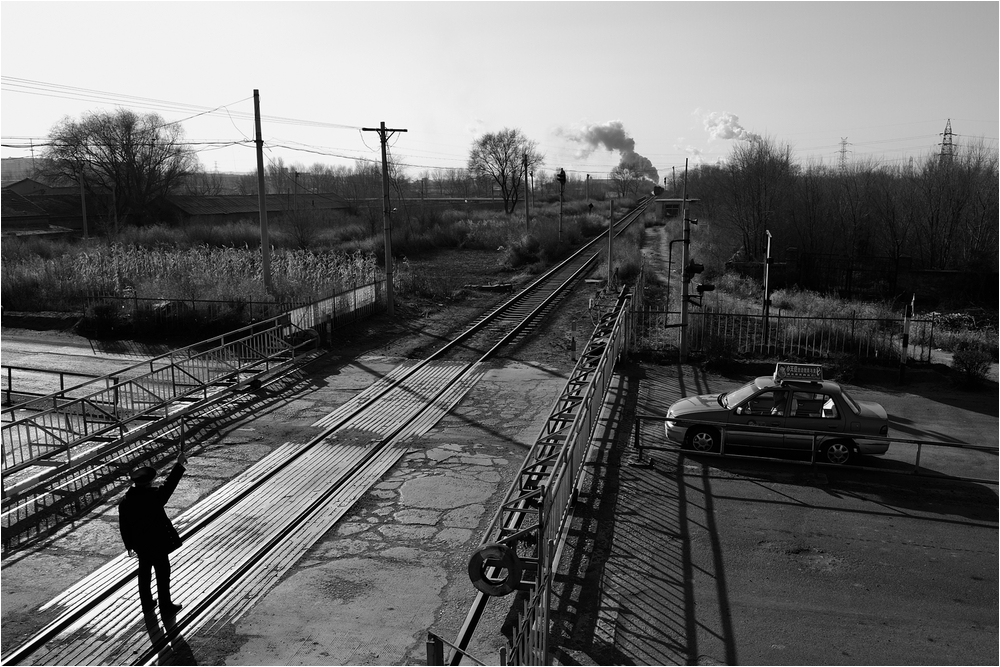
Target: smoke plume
[613,137]
[726,126]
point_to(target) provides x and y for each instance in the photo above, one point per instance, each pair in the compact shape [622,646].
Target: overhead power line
[46,89]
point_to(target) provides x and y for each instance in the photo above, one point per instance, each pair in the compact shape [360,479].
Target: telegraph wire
[28,86]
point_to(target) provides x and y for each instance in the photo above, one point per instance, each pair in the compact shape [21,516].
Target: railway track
[254,528]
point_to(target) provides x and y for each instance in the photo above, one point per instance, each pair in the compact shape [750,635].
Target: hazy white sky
[683,80]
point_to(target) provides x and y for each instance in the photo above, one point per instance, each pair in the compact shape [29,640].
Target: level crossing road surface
[393,567]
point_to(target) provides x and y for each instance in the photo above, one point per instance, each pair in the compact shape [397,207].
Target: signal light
[705,287]
[561,177]
[691,269]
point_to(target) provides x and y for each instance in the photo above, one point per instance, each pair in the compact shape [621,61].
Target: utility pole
[114,206]
[265,243]
[527,212]
[685,258]
[561,177]
[383,134]
[83,204]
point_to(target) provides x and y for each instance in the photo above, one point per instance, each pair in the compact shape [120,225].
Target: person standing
[148,533]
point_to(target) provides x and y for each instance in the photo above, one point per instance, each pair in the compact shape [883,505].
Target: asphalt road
[707,560]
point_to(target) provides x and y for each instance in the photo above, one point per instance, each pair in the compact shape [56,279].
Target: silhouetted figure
[149,534]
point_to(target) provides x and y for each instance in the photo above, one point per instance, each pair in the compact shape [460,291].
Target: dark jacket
[142,520]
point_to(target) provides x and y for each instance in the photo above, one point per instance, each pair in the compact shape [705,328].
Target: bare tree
[129,161]
[626,180]
[203,183]
[500,157]
[759,177]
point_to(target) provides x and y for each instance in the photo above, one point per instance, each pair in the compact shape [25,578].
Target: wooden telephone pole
[265,243]
[383,134]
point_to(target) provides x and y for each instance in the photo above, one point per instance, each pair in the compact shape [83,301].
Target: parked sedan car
[794,399]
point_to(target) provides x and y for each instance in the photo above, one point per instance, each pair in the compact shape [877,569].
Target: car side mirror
[739,410]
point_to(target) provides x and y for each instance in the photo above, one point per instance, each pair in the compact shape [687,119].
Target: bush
[242,234]
[740,287]
[843,366]
[972,363]
[104,320]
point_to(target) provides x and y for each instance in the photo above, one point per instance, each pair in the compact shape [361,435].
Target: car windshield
[851,403]
[736,397]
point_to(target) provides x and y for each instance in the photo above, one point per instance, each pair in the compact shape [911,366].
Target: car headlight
[669,421]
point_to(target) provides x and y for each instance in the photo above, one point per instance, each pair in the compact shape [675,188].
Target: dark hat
[143,474]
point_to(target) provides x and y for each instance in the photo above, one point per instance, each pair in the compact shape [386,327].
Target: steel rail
[68,618]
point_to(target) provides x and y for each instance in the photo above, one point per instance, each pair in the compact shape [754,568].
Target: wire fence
[742,334]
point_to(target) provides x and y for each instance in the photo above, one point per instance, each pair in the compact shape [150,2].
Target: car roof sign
[784,371]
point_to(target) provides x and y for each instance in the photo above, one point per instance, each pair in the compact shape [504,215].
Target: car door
[765,408]
[812,411]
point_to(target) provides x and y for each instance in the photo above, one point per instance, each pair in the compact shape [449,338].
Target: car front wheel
[703,440]
[838,452]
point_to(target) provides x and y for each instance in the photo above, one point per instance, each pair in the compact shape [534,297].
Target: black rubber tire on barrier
[500,556]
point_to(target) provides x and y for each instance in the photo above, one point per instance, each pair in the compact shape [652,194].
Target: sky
[590,82]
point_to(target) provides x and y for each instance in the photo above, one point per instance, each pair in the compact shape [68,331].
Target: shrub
[242,234]
[740,287]
[972,363]
[152,236]
[843,366]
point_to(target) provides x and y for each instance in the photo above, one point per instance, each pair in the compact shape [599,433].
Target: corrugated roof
[19,206]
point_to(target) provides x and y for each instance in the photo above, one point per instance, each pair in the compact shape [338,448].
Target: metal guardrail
[52,427]
[534,519]
[815,449]
[9,392]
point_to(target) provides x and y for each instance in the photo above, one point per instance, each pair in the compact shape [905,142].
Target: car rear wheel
[703,440]
[838,452]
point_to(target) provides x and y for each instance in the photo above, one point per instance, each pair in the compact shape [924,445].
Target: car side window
[807,404]
[769,402]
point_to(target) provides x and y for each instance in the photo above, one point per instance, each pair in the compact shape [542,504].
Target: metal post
[685,258]
[435,649]
[560,211]
[767,287]
[905,352]
[611,226]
